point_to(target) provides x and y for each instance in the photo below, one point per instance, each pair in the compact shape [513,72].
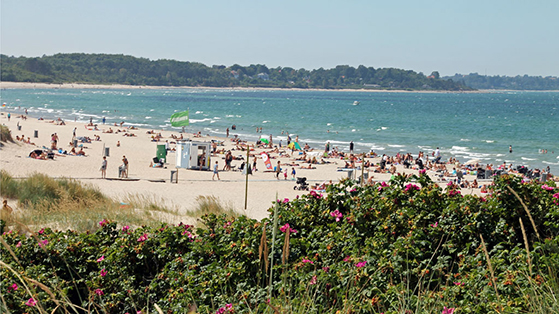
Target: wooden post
[246,184]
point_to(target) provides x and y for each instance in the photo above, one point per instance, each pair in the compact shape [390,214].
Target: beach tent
[193,155]
[294,146]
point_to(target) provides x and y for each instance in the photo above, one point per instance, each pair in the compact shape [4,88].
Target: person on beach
[254,165]
[327,147]
[293,173]
[104,120]
[104,168]
[124,167]
[6,212]
[278,170]
[437,155]
[216,171]
[9,116]
[227,131]
[510,149]
[351,147]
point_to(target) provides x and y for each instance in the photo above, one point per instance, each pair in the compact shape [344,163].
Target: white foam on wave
[489,141]
[200,120]
[526,158]
[394,145]
[353,130]
[328,124]
[465,140]
[199,112]
[551,163]
[265,121]
[147,117]
[384,127]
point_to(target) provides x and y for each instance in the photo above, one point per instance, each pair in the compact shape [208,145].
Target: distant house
[263,76]
[235,74]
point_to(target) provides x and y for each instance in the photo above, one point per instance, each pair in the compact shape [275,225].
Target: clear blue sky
[493,37]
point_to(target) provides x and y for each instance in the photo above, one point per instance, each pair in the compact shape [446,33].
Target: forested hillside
[129,70]
[524,82]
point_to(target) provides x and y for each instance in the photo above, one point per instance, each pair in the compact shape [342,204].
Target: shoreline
[28,85]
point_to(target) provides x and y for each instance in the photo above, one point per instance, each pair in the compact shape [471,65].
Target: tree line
[129,70]
[524,82]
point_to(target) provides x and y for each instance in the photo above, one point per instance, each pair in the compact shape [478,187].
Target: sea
[467,126]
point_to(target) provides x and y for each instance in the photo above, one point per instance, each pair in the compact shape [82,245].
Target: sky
[491,37]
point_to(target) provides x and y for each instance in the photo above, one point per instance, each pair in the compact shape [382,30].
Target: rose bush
[383,248]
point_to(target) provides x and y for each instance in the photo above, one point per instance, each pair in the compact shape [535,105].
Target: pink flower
[12,287]
[43,243]
[143,237]
[336,214]
[347,258]
[411,187]
[547,187]
[422,171]
[434,225]
[18,244]
[41,231]
[313,280]
[125,228]
[31,302]
[307,261]
[103,222]
[326,269]
[458,283]
[449,310]
[556,195]
[361,264]
[286,227]
[103,272]
[285,200]
[100,259]
[99,292]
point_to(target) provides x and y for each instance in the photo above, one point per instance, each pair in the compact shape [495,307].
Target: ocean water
[464,125]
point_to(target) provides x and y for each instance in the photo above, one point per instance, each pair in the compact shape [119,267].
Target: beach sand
[263,186]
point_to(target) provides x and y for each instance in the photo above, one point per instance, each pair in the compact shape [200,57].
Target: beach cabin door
[183,155]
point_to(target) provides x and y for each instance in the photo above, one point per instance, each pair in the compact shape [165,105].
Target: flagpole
[246,167]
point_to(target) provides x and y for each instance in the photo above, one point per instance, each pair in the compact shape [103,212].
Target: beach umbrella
[472,162]
[264,140]
[294,145]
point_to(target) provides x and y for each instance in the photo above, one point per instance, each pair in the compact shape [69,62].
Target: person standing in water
[510,148]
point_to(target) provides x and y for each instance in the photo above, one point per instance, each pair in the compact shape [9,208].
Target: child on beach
[216,171]
[293,173]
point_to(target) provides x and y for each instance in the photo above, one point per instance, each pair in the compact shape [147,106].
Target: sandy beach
[155,182]
[26,85]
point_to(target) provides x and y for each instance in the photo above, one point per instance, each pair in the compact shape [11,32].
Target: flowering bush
[402,236]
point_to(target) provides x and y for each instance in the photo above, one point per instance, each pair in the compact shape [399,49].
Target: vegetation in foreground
[403,247]
[128,70]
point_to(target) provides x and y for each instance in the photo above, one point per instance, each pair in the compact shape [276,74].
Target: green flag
[179,118]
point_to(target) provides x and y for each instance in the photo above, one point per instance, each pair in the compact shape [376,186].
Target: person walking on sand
[104,168]
[216,171]
[278,170]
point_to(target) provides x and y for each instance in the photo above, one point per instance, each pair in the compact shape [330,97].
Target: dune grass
[209,204]
[5,134]
[69,204]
